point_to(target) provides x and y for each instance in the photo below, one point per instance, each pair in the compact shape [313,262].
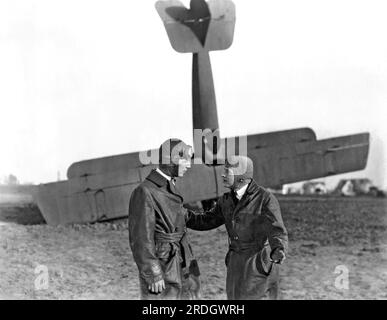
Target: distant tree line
[10,180]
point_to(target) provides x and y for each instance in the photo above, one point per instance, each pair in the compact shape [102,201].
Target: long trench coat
[158,240]
[255,229]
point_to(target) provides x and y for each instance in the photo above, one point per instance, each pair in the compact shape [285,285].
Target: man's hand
[157,287]
[278,256]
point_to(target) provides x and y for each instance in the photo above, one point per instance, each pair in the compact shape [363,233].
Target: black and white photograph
[197,150]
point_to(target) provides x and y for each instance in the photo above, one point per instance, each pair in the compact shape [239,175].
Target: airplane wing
[290,156]
[100,189]
[281,164]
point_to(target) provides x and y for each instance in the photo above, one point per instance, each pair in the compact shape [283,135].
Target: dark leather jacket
[255,219]
[157,232]
[255,229]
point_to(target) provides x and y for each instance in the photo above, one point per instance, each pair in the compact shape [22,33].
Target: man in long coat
[257,235]
[157,229]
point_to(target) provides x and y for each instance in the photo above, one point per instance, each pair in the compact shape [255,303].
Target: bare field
[94,261]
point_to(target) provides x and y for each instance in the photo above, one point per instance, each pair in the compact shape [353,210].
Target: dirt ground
[326,234]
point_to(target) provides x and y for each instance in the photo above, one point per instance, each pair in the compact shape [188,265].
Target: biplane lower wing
[278,165]
[298,156]
[102,191]
[88,198]
[106,196]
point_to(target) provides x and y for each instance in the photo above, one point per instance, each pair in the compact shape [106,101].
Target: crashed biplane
[99,189]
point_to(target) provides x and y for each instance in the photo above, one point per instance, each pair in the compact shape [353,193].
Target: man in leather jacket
[257,236]
[157,229]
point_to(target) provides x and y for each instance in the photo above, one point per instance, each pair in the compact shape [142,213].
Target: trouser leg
[274,283]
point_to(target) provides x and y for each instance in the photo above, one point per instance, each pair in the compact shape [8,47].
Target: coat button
[236,238]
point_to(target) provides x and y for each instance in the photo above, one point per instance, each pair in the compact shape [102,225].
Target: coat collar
[163,174]
[161,181]
[251,189]
[157,178]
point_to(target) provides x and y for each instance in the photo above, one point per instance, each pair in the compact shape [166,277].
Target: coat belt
[239,246]
[169,237]
[179,242]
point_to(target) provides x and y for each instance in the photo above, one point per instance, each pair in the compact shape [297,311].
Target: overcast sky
[83,79]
